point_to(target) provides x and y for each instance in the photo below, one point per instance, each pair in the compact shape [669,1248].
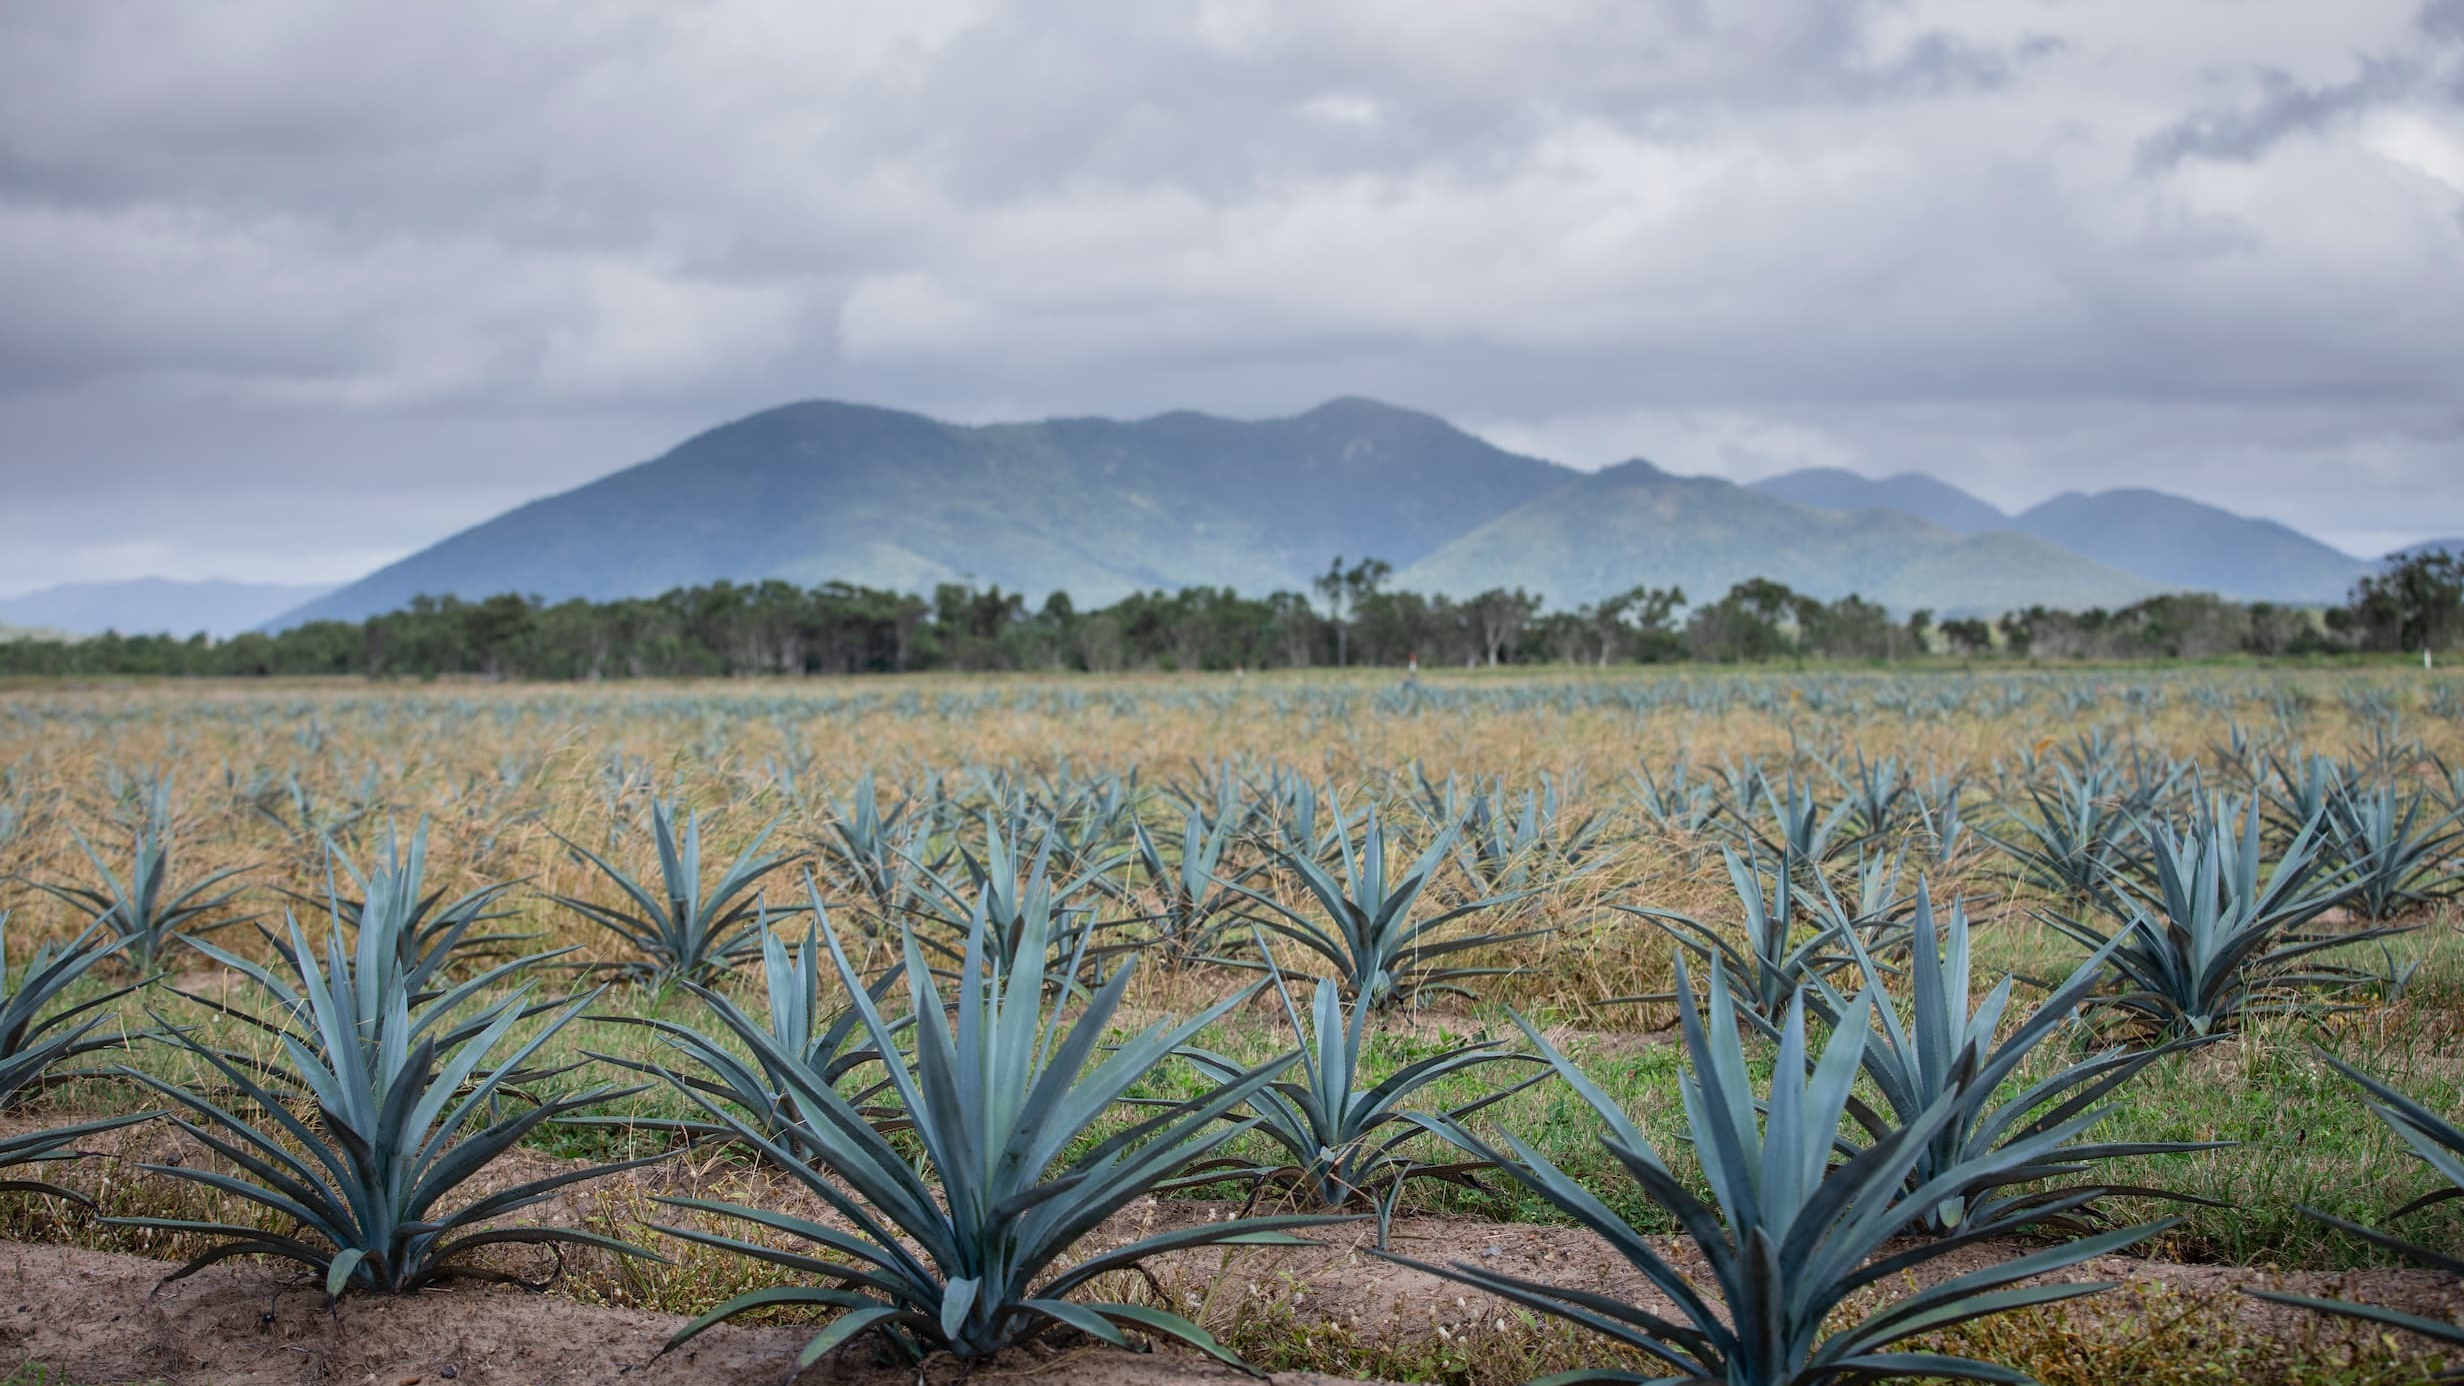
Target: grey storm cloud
[293,288]
[2429,67]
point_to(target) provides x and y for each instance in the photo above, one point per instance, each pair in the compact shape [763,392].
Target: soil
[101,1320]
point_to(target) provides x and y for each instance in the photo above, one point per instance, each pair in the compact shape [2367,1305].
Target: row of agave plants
[1842,694]
[969,1116]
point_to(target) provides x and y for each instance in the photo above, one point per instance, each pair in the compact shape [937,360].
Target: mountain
[819,491]
[1633,523]
[2184,545]
[1910,493]
[2426,546]
[154,605]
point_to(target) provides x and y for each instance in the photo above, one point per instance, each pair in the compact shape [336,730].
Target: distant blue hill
[2187,545]
[2453,546]
[2174,542]
[822,491]
[153,606]
[1909,493]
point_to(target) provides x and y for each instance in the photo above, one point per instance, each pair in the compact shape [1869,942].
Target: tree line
[1350,616]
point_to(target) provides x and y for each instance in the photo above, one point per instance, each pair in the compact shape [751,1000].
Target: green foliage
[1763,961]
[1383,949]
[1004,1100]
[682,930]
[2213,942]
[2072,843]
[32,1042]
[1794,1244]
[397,1124]
[1340,1131]
[2397,847]
[874,852]
[823,1044]
[426,930]
[1951,1052]
[1191,897]
[145,912]
[1011,890]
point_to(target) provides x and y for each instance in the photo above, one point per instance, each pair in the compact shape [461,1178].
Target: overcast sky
[289,288]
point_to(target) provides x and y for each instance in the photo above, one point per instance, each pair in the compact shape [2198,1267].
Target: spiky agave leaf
[1385,951]
[1342,1131]
[827,1044]
[876,852]
[2214,941]
[425,929]
[2397,857]
[370,967]
[1001,1097]
[1016,892]
[145,912]
[1190,895]
[397,1124]
[31,1042]
[2075,839]
[1953,1050]
[1790,1239]
[682,930]
[1771,958]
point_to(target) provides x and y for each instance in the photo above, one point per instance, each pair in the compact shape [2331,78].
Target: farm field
[420,966]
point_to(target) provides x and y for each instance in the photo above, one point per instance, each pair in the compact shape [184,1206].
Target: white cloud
[1730,238]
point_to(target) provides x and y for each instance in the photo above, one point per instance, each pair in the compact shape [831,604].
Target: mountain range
[146,605]
[820,491]
[2175,542]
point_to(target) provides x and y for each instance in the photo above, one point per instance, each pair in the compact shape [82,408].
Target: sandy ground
[100,1320]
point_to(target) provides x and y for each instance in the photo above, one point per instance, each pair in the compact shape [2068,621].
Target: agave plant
[1682,804]
[2440,1145]
[2213,942]
[1192,899]
[1772,964]
[1498,846]
[1794,1243]
[824,1043]
[397,1123]
[2073,842]
[1342,1132]
[2398,859]
[426,930]
[1938,810]
[1013,890]
[1950,1051]
[1003,1100]
[876,852]
[1801,832]
[32,1042]
[1878,793]
[682,930]
[1288,807]
[145,912]
[1384,952]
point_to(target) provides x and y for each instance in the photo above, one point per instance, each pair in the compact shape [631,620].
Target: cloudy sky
[291,288]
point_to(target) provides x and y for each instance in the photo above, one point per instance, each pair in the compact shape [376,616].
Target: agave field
[1753,1030]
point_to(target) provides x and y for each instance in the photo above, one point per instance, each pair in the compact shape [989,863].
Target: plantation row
[908,998]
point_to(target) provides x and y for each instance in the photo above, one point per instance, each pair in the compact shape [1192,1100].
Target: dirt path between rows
[98,1319]
[94,1315]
